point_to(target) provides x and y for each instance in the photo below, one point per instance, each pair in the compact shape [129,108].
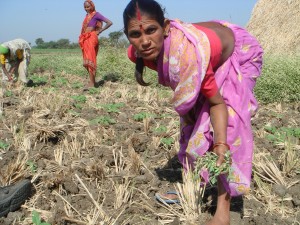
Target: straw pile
[276,24]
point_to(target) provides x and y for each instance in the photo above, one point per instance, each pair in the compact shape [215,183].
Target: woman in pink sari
[88,39]
[212,68]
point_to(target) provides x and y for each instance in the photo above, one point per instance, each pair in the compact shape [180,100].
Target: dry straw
[275,23]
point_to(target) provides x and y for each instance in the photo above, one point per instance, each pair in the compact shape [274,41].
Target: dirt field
[99,157]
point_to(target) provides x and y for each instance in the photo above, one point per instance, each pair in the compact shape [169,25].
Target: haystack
[276,24]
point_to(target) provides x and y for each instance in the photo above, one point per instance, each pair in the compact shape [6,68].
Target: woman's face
[88,8]
[147,37]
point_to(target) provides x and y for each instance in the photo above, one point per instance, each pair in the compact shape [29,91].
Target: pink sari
[182,67]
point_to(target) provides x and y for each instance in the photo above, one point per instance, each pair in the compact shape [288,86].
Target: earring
[166,32]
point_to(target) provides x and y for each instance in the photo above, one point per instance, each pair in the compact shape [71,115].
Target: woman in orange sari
[88,39]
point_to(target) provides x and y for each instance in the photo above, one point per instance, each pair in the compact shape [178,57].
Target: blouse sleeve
[209,85]
[2,59]
[98,16]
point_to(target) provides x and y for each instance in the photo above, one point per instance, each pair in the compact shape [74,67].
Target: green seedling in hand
[208,162]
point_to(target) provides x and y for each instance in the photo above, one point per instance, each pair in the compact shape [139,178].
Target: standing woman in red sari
[88,39]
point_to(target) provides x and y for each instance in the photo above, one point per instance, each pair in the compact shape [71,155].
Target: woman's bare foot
[219,220]
[88,86]
[222,215]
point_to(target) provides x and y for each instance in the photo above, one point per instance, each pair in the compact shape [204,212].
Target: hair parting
[138,12]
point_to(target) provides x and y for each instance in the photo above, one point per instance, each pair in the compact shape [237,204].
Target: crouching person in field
[14,60]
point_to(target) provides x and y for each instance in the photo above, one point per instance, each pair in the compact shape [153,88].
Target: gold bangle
[221,143]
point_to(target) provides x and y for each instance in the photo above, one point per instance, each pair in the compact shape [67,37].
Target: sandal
[165,200]
[13,196]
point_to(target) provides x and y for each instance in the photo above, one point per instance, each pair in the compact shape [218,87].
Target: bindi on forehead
[144,23]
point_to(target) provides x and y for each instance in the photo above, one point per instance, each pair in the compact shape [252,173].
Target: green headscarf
[3,49]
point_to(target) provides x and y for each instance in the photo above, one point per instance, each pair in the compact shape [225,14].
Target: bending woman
[88,39]
[14,60]
[212,68]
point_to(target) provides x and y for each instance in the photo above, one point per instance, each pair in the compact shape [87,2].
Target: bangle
[221,143]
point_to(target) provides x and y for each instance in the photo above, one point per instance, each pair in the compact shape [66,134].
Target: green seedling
[51,89]
[161,129]
[36,219]
[78,105]
[277,135]
[167,141]
[103,120]
[3,145]
[59,82]
[32,166]
[140,116]
[8,93]
[112,108]
[93,90]
[208,162]
[79,98]
[77,85]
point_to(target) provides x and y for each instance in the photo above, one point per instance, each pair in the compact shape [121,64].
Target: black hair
[152,9]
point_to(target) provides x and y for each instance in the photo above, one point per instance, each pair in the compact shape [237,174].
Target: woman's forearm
[219,121]
[5,71]
[107,25]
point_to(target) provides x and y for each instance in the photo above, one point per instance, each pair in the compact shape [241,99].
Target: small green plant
[50,89]
[93,90]
[59,82]
[277,135]
[77,85]
[36,219]
[38,80]
[79,98]
[3,145]
[8,93]
[112,108]
[208,164]
[167,141]
[140,116]
[103,120]
[161,129]
[32,166]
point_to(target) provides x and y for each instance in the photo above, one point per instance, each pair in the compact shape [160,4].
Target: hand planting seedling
[208,164]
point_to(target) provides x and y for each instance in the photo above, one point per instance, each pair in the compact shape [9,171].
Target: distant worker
[88,39]
[14,60]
